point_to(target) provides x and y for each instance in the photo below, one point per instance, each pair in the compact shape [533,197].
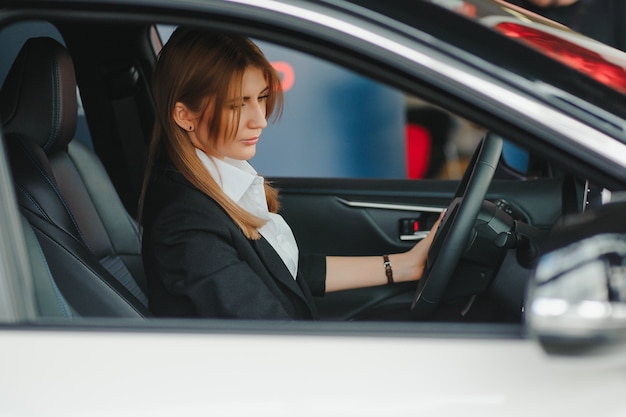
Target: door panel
[369,217]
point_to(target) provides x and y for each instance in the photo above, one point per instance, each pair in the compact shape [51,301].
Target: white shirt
[241,183]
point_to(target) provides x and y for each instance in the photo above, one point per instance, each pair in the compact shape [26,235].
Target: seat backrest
[90,242]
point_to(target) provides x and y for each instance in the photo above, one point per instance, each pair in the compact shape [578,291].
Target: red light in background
[571,54]
[418,144]
[287,74]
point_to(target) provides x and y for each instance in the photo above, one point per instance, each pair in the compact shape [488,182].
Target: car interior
[78,198]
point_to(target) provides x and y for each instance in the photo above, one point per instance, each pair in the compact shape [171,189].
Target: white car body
[105,373]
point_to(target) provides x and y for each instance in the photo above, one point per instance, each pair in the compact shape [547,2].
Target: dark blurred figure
[602,20]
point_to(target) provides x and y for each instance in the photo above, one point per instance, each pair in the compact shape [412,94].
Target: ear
[184,118]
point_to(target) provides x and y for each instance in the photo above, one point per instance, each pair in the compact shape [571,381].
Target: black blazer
[198,263]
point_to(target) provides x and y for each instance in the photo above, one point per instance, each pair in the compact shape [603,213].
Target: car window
[339,124]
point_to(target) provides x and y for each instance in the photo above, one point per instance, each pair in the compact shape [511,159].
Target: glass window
[338,124]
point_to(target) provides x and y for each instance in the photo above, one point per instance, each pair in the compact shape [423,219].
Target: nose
[257,118]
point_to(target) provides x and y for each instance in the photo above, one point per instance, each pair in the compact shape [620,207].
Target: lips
[250,141]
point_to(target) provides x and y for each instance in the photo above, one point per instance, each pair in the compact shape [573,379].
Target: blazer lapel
[277,267]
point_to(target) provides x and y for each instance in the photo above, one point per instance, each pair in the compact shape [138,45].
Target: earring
[191,128]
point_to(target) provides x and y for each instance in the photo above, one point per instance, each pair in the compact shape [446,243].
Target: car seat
[48,299]
[90,242]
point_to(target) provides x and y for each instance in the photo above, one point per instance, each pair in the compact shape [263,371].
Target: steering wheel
[454,231]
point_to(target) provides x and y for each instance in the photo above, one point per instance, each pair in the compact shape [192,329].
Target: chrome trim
[415,236]
[387,206]
[575,130]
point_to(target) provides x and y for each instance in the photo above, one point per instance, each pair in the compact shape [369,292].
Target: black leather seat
[91,244]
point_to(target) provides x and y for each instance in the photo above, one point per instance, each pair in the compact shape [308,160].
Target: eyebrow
[265,90]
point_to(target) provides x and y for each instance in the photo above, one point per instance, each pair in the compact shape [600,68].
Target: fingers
[433,230]
[426,242]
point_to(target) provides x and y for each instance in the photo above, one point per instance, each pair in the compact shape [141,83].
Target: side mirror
[576,301]
[517,162]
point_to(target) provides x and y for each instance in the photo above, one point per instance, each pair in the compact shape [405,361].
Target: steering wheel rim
[455,228]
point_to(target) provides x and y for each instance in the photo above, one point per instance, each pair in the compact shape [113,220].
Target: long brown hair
[197,67]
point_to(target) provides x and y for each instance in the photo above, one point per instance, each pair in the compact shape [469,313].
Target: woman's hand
[409,266]
[348,272]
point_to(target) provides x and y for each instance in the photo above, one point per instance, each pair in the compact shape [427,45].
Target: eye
[264,97]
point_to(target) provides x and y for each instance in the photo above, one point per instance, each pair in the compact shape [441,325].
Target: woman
[213,243]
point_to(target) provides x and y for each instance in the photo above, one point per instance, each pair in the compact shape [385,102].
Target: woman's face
[252,119]
[252,107]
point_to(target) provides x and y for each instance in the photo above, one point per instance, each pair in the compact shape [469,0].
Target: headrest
[38,99]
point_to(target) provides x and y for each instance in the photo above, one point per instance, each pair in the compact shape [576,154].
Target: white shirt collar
[232,175]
